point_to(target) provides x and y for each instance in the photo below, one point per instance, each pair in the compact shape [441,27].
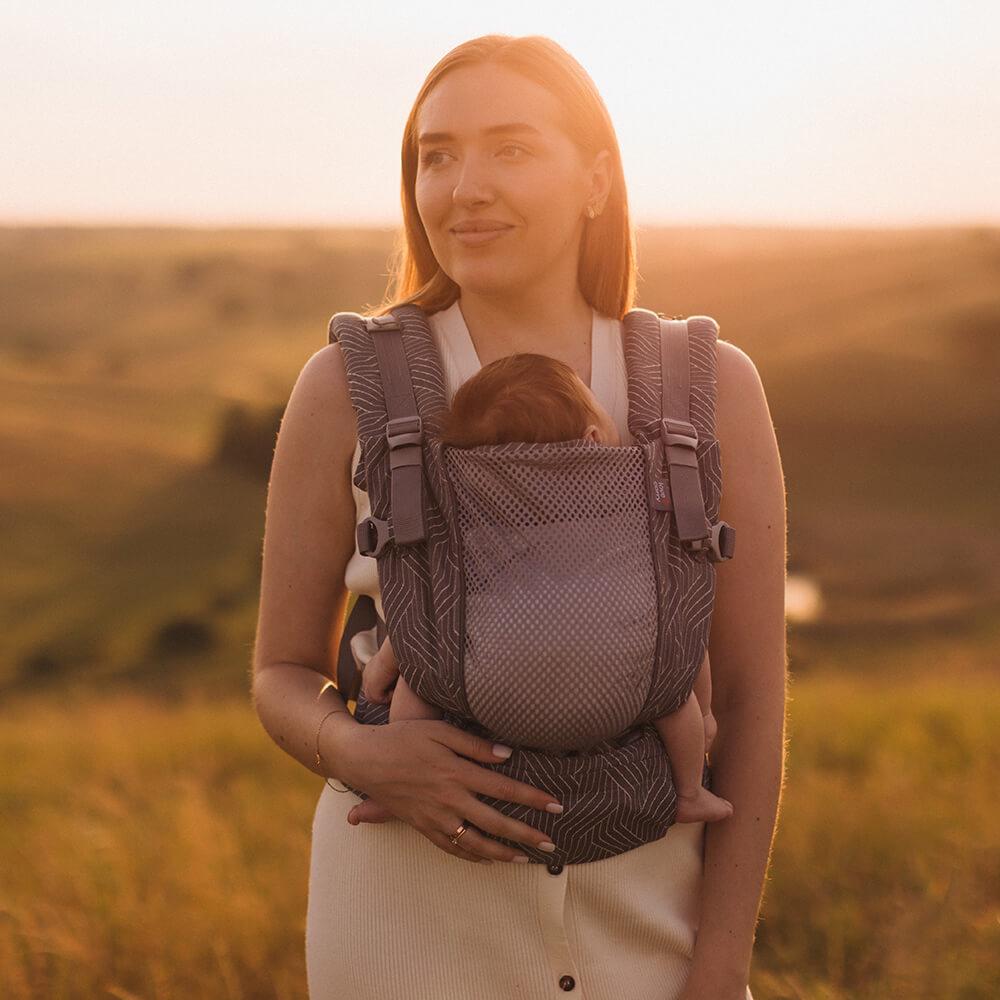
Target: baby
[535,398]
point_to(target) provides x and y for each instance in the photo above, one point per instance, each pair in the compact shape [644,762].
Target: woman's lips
[473,239]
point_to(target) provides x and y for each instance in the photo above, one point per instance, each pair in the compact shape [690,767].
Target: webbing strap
[363,616]
[403,430]
[679,436]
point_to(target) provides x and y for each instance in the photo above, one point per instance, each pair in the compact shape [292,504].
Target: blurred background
[187,193]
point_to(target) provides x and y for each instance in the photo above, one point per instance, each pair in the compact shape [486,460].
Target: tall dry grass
[159,850]
[150,850]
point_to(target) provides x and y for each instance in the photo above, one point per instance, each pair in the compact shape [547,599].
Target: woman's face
[492,153]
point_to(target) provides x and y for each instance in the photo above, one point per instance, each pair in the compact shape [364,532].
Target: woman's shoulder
[751,464]
[319,412]
[737,380]
[323,378]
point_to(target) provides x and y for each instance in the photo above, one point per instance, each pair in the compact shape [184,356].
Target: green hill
[130,547]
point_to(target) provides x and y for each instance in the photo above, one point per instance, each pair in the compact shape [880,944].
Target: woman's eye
[436,156]
[430,159]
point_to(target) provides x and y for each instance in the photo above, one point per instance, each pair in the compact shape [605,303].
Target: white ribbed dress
[390,916]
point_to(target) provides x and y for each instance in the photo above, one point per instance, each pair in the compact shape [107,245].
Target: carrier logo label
[661,497]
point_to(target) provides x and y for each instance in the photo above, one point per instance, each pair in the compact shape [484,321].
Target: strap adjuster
[678,432]
[718,545]
[405,436]
[401,431]
[372,534]
[723,541]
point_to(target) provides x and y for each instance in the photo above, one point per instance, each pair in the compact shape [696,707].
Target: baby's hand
[379,675]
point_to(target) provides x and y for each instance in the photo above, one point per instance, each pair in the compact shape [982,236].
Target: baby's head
[526,397]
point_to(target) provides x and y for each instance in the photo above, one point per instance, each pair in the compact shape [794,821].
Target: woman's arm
[748,657]
[308,540]
[417,769]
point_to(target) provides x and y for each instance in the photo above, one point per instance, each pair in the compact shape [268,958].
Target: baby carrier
[553,596]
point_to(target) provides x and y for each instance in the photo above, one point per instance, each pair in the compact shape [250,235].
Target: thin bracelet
[319,762]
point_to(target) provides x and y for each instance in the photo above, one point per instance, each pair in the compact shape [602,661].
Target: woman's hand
[424,772]
[379,675]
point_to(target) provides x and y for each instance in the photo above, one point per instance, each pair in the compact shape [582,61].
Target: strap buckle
[401,431]
[405,436]
[718,545]
[678,432]
[677,435]
[372,534]
[723,541]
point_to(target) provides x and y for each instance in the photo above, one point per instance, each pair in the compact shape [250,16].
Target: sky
[880,113]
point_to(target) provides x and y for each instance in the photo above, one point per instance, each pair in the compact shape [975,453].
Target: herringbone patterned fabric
[554,547]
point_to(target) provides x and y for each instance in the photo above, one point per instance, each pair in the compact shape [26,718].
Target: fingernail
[521,859]
[554,807]
[485,861]
[501,751]
[547,846]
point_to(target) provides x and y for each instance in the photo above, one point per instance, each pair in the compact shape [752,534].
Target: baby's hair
[521,397]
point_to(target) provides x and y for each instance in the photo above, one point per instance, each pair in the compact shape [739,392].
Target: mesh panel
[559,590]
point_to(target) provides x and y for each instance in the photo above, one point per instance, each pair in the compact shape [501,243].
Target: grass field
[159,849]
[122,349]
[154,842]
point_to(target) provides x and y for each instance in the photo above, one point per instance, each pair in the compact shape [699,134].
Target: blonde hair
[607,267]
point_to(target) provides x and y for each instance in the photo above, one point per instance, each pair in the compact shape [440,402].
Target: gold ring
[458,833]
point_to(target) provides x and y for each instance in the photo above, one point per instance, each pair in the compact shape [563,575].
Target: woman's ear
[600,180]
[592,433]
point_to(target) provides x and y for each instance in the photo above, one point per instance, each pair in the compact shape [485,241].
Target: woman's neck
[553,325]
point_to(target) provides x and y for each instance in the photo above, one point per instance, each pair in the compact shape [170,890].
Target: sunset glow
[858,113]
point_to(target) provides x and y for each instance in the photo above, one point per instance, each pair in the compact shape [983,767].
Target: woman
[509,135]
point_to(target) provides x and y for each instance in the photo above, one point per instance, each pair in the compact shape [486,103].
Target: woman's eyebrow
[520,127]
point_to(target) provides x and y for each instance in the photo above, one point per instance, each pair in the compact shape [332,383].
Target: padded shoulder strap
[679,436]
[397,387]
[641,332]
[671,370]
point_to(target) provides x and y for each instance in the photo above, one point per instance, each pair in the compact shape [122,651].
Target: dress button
[567,983]
[555,868]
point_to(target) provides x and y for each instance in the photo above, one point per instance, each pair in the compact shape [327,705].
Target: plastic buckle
[678,432]
[698,544]
[402,431]
[719,544]
[722,543]
[372,536]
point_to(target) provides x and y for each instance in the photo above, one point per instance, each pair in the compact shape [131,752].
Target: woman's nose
[473,186]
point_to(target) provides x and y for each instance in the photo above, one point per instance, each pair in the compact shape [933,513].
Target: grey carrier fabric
[553,596]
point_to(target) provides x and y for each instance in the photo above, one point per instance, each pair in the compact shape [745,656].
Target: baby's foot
[703,805]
